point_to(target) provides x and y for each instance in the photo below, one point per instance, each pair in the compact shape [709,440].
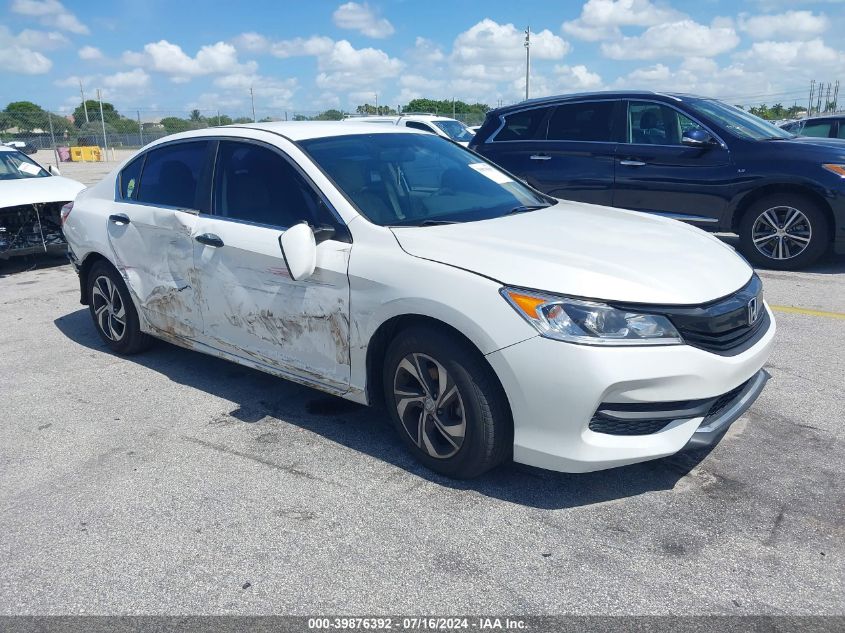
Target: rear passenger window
[256,184]
[524,126]
[129,178]
[171,175]
[582,122]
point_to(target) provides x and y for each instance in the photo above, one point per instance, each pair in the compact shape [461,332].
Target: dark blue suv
[685,157]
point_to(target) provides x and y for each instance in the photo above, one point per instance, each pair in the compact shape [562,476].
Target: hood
[590,251]
[826,149]
[36,190]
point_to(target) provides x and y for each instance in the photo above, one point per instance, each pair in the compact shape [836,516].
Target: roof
[606,94]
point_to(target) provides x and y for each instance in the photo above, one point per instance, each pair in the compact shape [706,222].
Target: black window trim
[118,197]
[342,233]
[552,106]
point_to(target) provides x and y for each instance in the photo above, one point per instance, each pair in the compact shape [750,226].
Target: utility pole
[53,139]
[827,98]
[84,105]
[527,60]
[836,97]
[376,103]
[252,98]
[140,128]
[103,121]
[810,102]
[819,100]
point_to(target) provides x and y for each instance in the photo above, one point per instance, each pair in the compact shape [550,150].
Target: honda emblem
[753,311]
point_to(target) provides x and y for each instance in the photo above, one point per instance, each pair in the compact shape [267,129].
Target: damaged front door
[150,231]
[251,307]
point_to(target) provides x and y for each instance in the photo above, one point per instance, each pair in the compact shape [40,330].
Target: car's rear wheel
[784,232]
[113,312]
[446,403]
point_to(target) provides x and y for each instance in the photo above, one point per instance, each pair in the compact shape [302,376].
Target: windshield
[739,122]
[418,179]
[455,130]
[14,165]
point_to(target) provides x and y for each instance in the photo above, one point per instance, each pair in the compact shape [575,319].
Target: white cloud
[347,68]
[170,59]
[362,18]
[136,80]
[269,92]
[42,40]
[576,78]
[90,53]
[793,24]
[792,55]
[684,38]
[17,54]
[489,42]
[601,19]
[426,52]
[50,13]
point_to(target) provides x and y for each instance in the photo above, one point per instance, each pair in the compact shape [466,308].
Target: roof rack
[418,113]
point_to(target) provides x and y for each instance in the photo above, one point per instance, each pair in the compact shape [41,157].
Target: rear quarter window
[525,125]
[130,178]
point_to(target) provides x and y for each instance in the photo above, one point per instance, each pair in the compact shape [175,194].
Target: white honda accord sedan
[396,268]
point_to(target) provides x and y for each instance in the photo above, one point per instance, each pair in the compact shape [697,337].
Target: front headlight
[589,322]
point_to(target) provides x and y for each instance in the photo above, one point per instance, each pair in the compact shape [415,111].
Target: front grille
[647,418]
[720,326]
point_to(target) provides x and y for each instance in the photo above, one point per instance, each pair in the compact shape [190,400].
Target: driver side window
[257,184]
[656,124]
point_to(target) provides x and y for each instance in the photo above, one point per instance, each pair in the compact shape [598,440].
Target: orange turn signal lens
[527,303]
[839,170]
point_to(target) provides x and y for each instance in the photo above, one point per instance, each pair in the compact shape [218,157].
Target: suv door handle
[632,163]
[209,239]
[121,219]
[540,157]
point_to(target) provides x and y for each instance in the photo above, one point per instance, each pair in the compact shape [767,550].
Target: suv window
[129,178]
[419,126]
[656,124]
[819,129]
[171,175]
[590,121]
[524,125]
[257,184]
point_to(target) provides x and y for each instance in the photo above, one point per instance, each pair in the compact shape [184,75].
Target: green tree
[26,116]
[329,115]
[110,114]
[173,124]
[243,119]
[196,116]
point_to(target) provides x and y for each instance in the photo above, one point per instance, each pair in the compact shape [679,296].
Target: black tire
[813,224]
[123,339]
[487,426]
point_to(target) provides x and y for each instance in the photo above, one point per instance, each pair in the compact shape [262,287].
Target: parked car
[390,266]
[431,123]
[30,200]
[819,127]
[689,158]
[22,146]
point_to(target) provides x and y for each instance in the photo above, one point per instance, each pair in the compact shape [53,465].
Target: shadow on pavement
[829,264]
[16,265]
[369,431]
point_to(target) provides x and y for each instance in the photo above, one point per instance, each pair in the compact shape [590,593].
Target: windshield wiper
[524,208]
[426,223]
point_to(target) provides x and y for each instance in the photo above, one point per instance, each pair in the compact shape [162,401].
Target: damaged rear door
[251,307]
[150,232]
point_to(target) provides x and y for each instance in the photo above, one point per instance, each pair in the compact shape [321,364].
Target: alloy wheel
[430,406]
[109,310]
[781,232]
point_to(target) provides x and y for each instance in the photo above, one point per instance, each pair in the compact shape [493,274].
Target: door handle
[121,219]
[540,157]
[209,239]
[632,163]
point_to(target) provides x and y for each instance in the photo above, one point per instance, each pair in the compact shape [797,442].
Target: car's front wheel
[784,232]
[113,312]
[446,403]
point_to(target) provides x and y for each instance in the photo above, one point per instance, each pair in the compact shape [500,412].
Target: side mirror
[299,248]
[697,138]
[53,170]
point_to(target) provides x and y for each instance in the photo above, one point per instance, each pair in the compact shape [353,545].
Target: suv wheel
[446,403]
[783,232]
[113,312]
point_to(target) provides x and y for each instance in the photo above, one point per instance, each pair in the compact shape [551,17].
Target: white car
[389,266]
[431,123]
[30,201]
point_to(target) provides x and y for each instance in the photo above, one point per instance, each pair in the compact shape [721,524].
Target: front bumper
[556,388]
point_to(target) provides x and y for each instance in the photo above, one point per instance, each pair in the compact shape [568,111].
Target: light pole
[527,59]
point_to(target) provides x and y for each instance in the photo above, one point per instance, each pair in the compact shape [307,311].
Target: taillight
[66,209]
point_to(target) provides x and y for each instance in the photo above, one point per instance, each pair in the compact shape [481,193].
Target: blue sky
[168,57]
